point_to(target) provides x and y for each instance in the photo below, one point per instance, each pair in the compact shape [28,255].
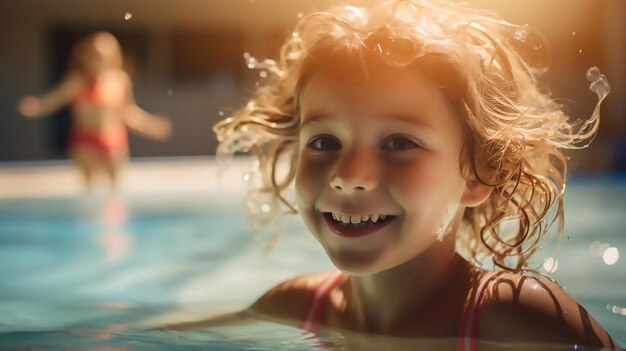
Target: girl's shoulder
[518,307]
[287,301]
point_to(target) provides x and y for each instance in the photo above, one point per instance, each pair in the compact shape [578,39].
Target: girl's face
[100,54]
[384,150]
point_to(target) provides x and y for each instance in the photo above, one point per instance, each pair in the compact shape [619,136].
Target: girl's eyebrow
[402,118]
[314,118]
[413,120]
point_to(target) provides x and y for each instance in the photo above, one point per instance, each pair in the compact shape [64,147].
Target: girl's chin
[357,263]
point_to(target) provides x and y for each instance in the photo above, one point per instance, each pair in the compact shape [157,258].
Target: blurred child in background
[100,94]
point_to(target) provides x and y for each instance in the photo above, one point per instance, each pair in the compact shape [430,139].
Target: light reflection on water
[83,273]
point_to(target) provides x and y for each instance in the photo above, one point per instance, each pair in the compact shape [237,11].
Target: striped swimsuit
[468,332]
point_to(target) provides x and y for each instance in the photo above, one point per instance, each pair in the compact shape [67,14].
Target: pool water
[92,272]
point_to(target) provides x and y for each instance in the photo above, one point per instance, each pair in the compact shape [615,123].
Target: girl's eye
[399,143]
[324,143]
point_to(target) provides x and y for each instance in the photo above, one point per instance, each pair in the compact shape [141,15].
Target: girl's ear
[475,194]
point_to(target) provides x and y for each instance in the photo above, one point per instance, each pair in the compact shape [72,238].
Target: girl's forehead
[385,87]
[432,73]
[400,96]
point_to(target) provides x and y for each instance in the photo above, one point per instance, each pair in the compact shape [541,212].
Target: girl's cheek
[408,180]
[309,180]
[419,182]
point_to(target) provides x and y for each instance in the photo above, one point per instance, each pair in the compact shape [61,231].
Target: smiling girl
[413,131]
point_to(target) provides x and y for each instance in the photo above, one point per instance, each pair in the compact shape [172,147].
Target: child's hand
[147,124]
[29,106]
[162,128]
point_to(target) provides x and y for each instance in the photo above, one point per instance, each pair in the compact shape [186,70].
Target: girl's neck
[380,302]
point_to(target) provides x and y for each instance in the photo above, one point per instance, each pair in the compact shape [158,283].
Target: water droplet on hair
[295,34]
[263,74]
[599,83]
[221,113]
[246,177]
[300,14]
[128,16]
[521,33]
[354,13]
[266,208]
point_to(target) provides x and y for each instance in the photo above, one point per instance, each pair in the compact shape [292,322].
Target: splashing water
[522,33]
[266,66]
[599,83]
[128,16]
[616,309]
[600,86]
[551,264]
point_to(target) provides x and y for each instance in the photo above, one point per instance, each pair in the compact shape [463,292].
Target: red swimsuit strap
[313,312]
[468,331]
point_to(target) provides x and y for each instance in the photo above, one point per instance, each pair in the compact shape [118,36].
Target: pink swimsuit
[109,141]
[468,332]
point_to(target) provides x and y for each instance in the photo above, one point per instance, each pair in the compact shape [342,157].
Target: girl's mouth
[351,226]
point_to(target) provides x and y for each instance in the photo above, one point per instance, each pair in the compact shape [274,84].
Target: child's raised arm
[143,122]
[62,94]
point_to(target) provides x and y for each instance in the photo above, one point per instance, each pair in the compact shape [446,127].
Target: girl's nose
[353,174]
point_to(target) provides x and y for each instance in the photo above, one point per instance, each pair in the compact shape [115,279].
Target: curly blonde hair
[514,129]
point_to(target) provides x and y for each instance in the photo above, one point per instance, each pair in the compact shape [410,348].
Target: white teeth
[346,219]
